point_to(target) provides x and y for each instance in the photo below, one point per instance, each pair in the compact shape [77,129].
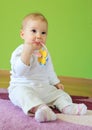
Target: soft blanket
[12,117]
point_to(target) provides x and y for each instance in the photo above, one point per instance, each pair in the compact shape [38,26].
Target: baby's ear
[22,34]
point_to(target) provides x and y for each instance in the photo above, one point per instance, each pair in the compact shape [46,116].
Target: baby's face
[35,32]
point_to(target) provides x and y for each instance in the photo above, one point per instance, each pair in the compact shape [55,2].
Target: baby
[33,86]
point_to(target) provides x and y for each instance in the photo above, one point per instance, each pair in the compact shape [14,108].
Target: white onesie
[34,85]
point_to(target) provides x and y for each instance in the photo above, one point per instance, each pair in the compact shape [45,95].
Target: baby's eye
[43,32]
[33,30]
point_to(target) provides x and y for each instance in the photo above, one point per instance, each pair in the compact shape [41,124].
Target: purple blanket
[12,118]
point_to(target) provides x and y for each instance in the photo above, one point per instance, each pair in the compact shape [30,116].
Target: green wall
[69,38]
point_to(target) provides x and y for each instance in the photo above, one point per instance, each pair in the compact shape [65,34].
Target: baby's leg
[65,105]
[75,109]
[28,100]
[25,98]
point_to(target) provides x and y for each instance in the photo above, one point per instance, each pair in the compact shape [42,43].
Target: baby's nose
[38,35]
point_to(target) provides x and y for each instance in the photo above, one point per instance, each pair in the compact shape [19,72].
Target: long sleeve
[17,66]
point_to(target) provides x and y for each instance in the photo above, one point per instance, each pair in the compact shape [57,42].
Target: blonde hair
[33,16]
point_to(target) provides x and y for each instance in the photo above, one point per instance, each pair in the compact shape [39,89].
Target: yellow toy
[42,55]
[43,58]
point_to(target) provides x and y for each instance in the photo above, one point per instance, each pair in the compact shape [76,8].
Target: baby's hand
[28,49]
[59,86]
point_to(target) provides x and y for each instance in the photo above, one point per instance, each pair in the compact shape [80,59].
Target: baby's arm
[53,79]
[26,54]
[21,58]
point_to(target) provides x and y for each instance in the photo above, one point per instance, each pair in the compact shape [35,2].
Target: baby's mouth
[35,42]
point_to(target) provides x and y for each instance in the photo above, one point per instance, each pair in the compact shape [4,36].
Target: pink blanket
[12,118]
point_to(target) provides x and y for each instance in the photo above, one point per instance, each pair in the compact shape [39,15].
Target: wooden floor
[77,86]
[74,86]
